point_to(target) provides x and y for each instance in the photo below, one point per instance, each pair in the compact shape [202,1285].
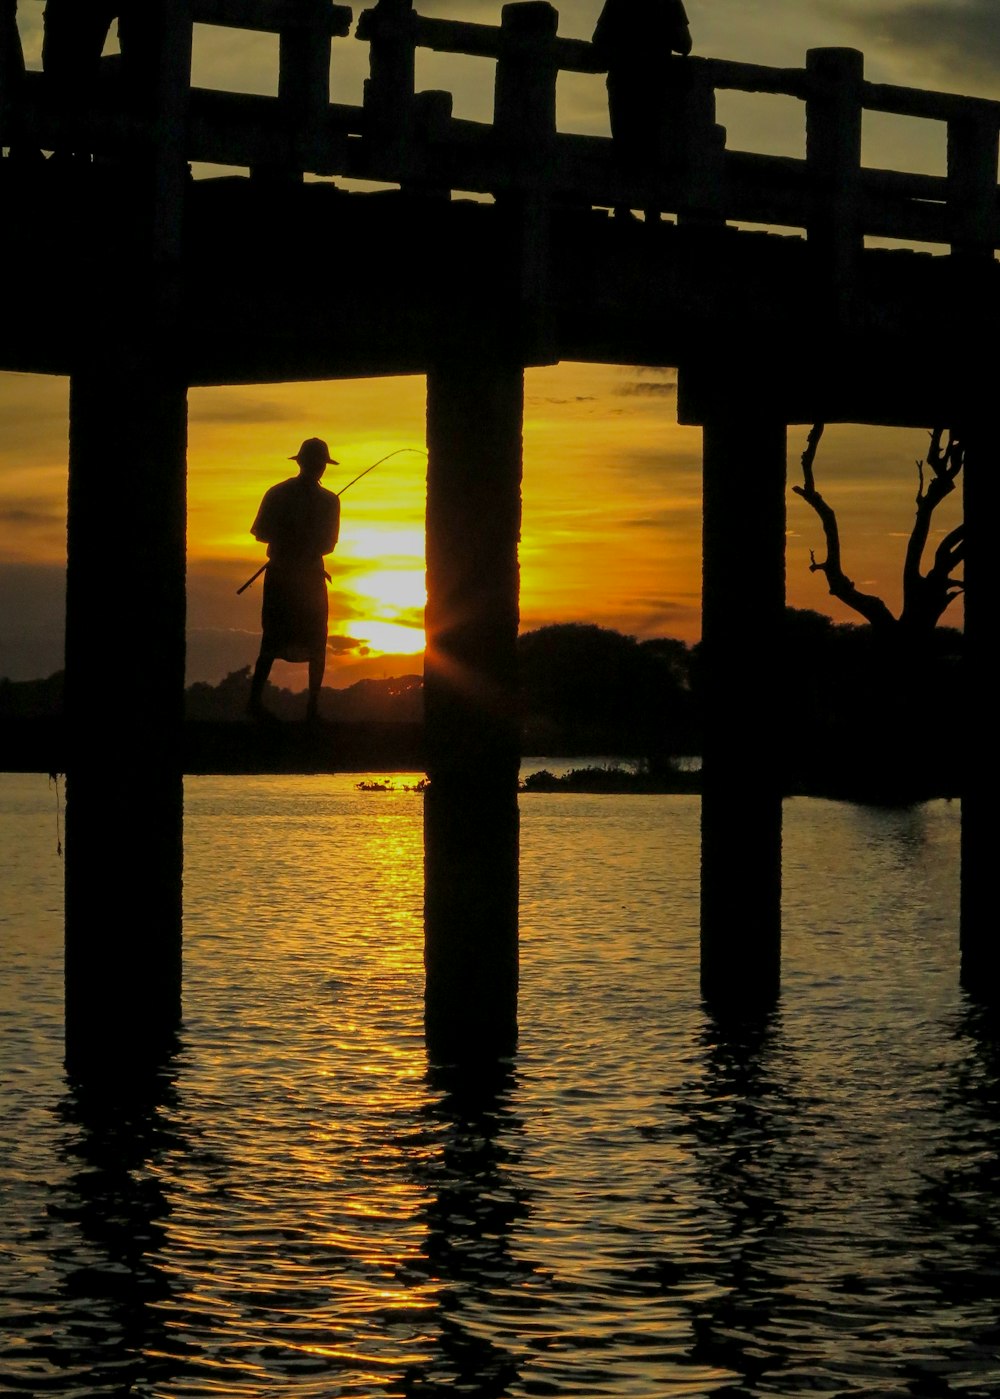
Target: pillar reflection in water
[108,1326]
[743,1133]
[476,1200]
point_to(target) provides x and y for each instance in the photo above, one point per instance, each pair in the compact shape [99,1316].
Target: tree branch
[872,608]
[926,597]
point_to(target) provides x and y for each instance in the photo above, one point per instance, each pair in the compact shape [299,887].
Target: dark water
[642,1203]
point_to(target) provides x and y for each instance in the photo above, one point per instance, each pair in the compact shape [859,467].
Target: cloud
[648,382]
[561,402]
[670,517]
[639,388]
[344,645]
[214,652]
[955,39]
[210,407]
[342,609]
[402,617]
[32,516]
[667,612]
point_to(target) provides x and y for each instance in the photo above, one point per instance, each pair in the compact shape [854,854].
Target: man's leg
[261,672]
[317,665]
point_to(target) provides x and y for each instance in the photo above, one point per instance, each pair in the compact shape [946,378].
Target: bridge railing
[400,135]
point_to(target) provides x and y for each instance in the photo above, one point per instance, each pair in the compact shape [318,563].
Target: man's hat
[312,448]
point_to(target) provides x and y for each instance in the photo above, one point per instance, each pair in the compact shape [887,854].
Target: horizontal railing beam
[274,16]
[752,77]
[247,131]
[244,130]
[933,106]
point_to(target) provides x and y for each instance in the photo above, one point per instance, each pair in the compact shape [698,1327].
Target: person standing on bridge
[646,91]
[11,55]
[73,42]
[11,71]
[299,521]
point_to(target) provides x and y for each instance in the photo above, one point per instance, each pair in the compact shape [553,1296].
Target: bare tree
[926,596]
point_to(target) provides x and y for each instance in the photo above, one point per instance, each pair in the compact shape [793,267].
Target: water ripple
[642,1203]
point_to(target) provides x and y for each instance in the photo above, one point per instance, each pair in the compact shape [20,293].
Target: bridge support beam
[980,944]
[743,614]
[474,424]
[124,702]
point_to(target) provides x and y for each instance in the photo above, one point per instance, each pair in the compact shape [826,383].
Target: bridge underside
[309,281]
[285,281]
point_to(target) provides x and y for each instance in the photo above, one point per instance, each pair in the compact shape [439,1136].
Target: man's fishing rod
[340,493]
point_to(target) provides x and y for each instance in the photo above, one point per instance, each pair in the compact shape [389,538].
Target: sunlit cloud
[239,407]
[342,645]
[663,388]
[953,39]
[392,636]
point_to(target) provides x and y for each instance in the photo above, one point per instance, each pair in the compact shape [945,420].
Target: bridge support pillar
[474,424]
[124,701]
[743,613]
[980,944]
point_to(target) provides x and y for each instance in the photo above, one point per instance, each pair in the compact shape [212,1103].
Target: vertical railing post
[391,31]
[524,121]
[304,49]
[524,94]
[701,158]
[973,148]
[304,63]
[833,153]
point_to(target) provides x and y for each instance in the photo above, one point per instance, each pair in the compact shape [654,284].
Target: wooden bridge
[488,247]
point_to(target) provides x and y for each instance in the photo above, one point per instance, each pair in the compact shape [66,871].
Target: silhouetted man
[635,38]
[299,521]
[11,57]
[12,84]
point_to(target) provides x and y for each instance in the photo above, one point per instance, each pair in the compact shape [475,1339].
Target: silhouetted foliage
[35,699]
[856,723]
[589,689]
[864,720]
[395,700]
[882,713]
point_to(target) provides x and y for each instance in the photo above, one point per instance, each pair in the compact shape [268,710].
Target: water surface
[640,1203]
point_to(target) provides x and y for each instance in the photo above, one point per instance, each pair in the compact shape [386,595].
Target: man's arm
[262,527]
[332,532]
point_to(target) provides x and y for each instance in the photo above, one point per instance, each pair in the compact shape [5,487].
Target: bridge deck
[314,282]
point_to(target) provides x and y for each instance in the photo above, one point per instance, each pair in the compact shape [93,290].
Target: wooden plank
[272,16]
[936,106]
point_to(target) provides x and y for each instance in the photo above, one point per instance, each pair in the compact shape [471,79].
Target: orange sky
[611,520]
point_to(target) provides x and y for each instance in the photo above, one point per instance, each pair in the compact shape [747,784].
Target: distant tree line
[395,700]
[854,715]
